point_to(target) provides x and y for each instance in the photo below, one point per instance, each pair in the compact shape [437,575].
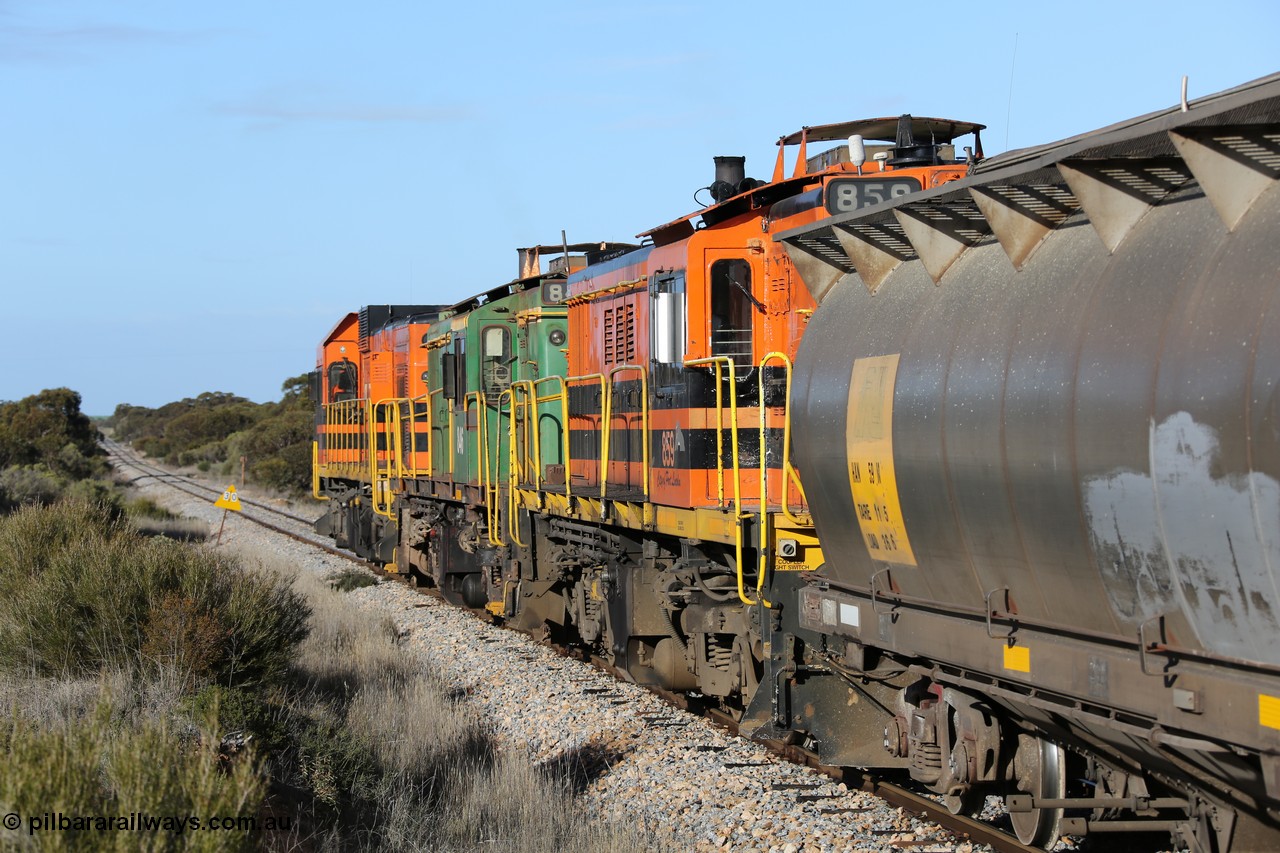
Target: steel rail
[196,489]
[961,826]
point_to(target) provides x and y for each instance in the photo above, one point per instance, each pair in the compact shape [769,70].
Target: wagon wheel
[1040,768]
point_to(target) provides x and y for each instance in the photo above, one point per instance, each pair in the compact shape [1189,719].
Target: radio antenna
[1009,109]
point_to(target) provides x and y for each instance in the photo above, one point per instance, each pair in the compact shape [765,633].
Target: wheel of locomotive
[473,593]
[1040,769]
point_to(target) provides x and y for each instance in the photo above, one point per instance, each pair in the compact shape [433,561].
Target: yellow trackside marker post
[229,501]
[871,473]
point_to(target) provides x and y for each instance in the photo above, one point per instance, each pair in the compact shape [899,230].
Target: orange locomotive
[365,368]
[690,340]
[630,487]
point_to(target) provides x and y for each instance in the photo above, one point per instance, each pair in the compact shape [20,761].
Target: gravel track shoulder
[634,756]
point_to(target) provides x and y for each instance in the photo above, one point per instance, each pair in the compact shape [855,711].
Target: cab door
[735,315]
[733,308]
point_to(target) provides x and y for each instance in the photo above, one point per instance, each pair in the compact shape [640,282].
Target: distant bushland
[213,430]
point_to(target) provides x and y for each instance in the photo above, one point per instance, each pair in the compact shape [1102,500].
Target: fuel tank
[1083,428]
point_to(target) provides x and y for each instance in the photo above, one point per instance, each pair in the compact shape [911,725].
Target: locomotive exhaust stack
[731,179]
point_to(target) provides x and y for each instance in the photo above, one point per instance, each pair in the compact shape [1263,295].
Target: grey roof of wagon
[1145,157]
[1256,102]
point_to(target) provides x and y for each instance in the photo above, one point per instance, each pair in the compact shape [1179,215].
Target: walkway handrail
[377,477]
[482,460]
[448,442]
[512,468]
[719,361]
[563,396]
[607,421]
[315,472]
[528,456]
[604,392]
[425,399]
[788,472]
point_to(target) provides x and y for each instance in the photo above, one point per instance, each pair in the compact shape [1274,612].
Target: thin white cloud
[61,45]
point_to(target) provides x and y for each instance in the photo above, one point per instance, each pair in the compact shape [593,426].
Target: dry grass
[127,659]
[105,636]
[67,754]
[429,775]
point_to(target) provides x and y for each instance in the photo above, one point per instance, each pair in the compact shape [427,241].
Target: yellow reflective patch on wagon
[1269,711]
[872,480]
[1017,658]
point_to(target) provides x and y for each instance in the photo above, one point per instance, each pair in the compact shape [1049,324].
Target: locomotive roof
[885,129]
[351,319]
[594,251]
[937,130]
[765,194]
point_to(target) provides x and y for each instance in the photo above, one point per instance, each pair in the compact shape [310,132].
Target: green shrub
[350,579]
[80,591]
[237,709]
[21,485]
[144,507]
[49,428]
[94,492]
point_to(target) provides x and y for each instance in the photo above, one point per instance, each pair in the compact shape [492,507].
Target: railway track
[947,832]
[122,456]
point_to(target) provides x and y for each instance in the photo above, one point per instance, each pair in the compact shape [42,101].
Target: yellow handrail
[371,442]
[315,472]
[719,361]
[526,461]
[343,432]
[512,465]
[604,460]
[411,469]
[448,441]
[482,461]
[644,418]
[788,472]
[380,475]
[495,527]
[564,426]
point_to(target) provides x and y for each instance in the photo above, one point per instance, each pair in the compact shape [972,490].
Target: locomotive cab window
[667,319]
[496,359]
[732,307]
[453,370]
[342,380]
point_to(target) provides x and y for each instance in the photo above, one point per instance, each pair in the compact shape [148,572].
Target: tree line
[50,449]
[213,430]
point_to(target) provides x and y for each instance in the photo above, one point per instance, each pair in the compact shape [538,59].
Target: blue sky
[192,194]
